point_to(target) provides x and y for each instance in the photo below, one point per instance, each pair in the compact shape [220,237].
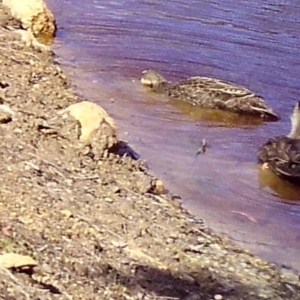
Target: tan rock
[91,117]
[157,187]
[34,15]
[5,114]
[14,260]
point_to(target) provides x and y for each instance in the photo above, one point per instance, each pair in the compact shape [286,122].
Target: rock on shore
[34,15]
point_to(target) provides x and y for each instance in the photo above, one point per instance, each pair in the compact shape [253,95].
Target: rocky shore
[81,218]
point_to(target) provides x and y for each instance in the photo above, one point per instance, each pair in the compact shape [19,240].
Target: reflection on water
[283,189]
[106,46]
[217,118]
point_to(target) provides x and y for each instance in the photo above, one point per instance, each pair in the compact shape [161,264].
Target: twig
[203,147]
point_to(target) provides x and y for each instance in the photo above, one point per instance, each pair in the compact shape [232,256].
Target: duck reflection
[284,189]
[218,118]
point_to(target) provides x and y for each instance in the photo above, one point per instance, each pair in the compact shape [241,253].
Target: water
[106,45]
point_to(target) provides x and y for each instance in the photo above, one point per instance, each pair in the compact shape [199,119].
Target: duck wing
[214,93]
[283,156]
[221,86]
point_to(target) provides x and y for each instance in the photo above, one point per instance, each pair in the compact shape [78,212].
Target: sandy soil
[91,217]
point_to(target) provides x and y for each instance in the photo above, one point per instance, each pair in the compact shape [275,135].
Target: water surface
[106,45]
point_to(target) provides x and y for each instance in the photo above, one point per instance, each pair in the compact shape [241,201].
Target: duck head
[295,122]
[153,80]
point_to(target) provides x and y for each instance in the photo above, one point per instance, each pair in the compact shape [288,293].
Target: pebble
[109,200]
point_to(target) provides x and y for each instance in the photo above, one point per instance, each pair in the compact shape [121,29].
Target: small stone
[67,213]
[25,220]
[218,297]
[157,187]
[5,117]
[109,200]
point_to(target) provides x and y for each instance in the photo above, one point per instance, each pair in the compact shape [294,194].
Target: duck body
[210,93]
[281,154]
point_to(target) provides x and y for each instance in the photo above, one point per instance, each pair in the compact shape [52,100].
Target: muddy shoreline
[90,216]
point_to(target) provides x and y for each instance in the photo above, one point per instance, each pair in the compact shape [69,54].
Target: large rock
[93,120]
[34,15]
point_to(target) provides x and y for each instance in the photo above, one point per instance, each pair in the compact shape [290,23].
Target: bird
[281,154]
[210,93]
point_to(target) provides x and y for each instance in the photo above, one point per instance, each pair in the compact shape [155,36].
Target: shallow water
[106,46]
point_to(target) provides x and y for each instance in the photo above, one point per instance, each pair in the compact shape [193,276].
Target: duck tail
[271,114]
[267,113]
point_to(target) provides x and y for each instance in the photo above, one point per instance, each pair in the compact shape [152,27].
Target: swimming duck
[281,154]
[210,93]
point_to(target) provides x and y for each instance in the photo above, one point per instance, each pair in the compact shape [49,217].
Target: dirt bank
[89,216]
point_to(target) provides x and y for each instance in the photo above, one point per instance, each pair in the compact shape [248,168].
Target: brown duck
[281,154]
[210,93]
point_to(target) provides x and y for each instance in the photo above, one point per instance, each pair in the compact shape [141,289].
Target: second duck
[281,154]
[210,93]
